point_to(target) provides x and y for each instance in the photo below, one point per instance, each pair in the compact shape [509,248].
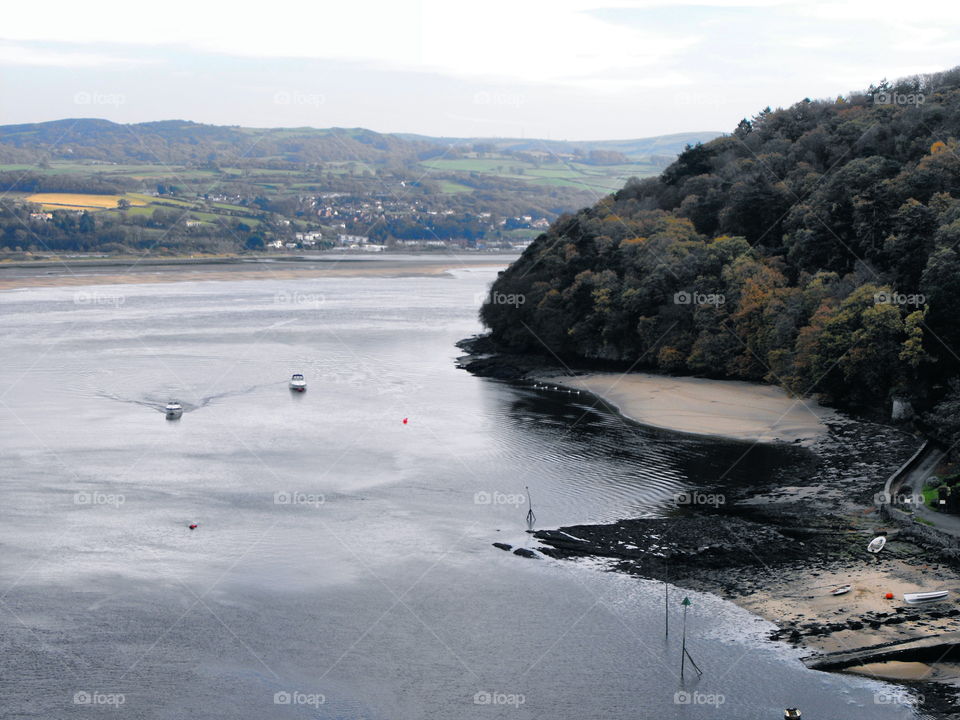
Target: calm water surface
[383,601]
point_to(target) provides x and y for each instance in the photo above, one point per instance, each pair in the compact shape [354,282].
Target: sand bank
[116,273]
[726,408]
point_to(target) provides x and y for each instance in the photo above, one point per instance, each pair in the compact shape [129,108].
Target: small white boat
[297,383]
[173,410]
[876,545]
[842,590]
[925,597]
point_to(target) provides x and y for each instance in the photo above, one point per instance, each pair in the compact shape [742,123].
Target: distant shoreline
[117,271]
[263,258]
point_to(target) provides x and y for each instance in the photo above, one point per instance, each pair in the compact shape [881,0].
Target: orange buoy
[889,596]
[193,526]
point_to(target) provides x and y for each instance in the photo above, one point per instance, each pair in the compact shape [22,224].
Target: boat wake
[159,403]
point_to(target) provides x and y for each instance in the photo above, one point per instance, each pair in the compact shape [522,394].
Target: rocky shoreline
[779,546]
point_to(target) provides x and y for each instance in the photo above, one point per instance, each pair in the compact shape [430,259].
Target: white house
[344,239]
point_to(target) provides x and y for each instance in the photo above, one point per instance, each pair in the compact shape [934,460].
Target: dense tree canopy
[815,247]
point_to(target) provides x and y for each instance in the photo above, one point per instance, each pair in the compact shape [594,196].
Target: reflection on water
[339,551]
[636,471]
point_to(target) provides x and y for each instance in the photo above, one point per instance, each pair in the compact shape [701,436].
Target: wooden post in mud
[666,600]
[531,518]
[666,609]
[684,655]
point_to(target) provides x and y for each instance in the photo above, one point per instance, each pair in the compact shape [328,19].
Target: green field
[449,186]
[450,173]
[595,178]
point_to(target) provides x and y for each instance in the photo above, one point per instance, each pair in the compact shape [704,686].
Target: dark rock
[503,546]
[524,552]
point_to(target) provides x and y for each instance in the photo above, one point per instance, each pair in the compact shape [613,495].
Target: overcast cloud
[563,69]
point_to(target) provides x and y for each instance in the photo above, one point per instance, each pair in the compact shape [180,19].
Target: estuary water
[342,564]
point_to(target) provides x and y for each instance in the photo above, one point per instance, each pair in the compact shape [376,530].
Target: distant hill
[181,141]
[246,188]
[634,149]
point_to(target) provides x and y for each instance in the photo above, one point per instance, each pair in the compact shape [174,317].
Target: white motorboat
[297,383]
[925,597]
[876,545]
[842,590]
[173,410]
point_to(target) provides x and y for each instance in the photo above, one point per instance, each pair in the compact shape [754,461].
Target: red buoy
[889,596]
[193,526]
[405,421]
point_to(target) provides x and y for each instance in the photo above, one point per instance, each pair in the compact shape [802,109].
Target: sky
[557,69]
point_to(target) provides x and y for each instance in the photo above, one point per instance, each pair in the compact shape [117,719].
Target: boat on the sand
[919,598]
[876,545]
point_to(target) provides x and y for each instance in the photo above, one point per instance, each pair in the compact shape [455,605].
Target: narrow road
[913,482]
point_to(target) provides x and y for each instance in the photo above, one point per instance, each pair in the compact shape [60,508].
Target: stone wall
[924,533]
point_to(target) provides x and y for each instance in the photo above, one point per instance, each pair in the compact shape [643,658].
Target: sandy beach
[731,409]
[798,603]
[114,272]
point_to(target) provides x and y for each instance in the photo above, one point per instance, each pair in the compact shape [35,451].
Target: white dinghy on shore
[918,598]
[876,545]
